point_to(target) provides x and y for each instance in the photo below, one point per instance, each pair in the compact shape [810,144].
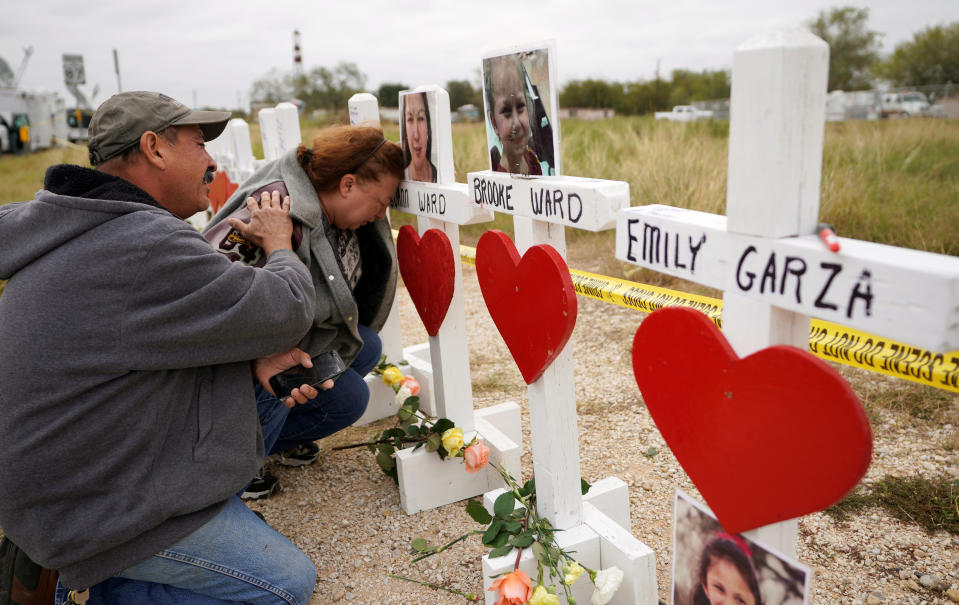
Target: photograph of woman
[521,137]
[712,567]
[416,137]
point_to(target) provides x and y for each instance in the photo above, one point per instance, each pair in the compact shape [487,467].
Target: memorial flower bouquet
[416,429]
[513,523]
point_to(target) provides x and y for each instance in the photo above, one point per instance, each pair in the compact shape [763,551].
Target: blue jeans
[284,428]
[235,557]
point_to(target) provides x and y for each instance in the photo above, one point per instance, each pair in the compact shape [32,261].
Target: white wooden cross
[774,271]
[425,481]
[596,526]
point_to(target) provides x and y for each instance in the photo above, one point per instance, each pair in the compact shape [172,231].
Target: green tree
[853,49]
[272,88]
[388,94]
[320,88]
[332,88]
[932,57]
[463,93]
[592,93]
[688,86]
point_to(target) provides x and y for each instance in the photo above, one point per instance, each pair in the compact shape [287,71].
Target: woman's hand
[270,226]
[265,368]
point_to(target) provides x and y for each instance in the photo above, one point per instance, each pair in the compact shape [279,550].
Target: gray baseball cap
[120,121]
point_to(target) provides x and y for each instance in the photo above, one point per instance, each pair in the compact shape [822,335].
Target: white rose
[402,394]
[607,582]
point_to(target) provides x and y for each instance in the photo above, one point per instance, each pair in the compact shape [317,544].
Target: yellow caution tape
[827,340]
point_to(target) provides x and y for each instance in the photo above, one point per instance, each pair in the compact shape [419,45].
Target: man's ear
[347,183]
[150,148]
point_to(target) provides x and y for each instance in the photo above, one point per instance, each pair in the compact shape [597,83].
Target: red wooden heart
[769,437]
[428,270]
[532,301]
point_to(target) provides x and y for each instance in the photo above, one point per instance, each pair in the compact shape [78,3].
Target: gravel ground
[346,514]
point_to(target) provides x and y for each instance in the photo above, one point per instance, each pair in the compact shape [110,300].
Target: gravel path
[346,514]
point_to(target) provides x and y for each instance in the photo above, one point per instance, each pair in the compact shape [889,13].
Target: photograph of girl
[517,93]
[416,136]
[712,567]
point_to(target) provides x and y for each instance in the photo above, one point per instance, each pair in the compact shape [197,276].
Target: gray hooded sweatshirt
[127,414]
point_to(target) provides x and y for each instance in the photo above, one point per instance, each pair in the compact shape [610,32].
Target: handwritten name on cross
[774,273]
[541,207]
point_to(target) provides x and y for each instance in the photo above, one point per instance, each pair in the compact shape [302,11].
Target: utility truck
[684,113]
[904,104]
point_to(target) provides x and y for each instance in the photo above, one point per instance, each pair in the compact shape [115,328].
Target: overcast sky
[209,52]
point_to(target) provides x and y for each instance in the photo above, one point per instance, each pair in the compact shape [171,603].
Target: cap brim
[211,123]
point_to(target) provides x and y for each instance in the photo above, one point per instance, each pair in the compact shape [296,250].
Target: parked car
[684,113]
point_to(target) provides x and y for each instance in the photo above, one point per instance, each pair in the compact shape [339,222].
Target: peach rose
[412,384]
[476,456]
[515,588]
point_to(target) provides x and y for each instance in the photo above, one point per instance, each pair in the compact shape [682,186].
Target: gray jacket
[127,414]
[338,310]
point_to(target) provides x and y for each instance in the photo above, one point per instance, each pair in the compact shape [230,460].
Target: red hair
[341,150]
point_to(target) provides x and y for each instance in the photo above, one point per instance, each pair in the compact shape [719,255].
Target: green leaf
[493,532]
[504,504]
[385,461]
[500,540]
[413,430]
[433,442]
[522,540]
[478,512]
[584,486]
[529,487]
[420,545]
[405,416]
[513,526]
[442,425]
[501,551]
[540,553]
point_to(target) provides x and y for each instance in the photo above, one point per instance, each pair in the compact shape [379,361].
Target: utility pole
[297,57]
[116,66]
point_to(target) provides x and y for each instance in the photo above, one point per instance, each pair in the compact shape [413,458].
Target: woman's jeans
[235,557]
[331,411]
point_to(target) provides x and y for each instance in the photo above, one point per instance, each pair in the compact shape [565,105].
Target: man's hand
[265,368]
[270,226]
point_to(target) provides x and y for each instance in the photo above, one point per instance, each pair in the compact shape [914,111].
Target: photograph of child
[416,135]
[712,567]
[518,94]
